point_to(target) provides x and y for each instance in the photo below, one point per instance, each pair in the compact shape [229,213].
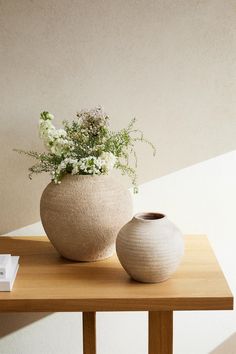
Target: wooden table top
[47,282]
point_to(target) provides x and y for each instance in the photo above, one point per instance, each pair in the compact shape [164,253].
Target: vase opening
[149,216]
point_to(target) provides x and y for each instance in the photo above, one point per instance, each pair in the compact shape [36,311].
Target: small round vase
[150,247]
[83,214]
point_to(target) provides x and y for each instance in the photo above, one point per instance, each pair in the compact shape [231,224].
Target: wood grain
[160,332]
[47,282]
[89,332]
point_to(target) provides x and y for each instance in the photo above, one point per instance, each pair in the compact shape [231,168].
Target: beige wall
[172,64]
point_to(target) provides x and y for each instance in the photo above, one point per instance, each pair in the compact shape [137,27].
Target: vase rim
[149,216]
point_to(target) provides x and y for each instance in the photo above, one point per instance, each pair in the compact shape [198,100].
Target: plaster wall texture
[169,63]
[199,199]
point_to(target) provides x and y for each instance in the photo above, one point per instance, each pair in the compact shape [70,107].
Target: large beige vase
[150,247]
[83,214]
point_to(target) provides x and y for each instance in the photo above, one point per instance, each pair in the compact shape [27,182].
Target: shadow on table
[227,347]
[26,246]
[12,322]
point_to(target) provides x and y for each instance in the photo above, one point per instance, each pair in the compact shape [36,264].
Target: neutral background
[172,64]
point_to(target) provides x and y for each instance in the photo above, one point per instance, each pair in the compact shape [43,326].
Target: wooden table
[47,282]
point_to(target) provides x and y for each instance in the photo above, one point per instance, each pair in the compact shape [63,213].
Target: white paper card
[7,284]
[5,265]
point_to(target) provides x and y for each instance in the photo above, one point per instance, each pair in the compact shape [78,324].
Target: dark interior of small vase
[150,216]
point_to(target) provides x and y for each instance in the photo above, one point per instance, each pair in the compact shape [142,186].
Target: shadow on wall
[227,347]
[14,321]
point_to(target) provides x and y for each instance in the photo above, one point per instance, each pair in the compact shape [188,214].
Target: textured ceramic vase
[150,247]
[83,214]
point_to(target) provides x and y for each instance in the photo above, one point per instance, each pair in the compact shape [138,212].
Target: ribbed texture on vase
[83,214]
[150,250]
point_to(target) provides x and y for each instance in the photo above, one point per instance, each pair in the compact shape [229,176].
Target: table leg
[160,328]
[89,332]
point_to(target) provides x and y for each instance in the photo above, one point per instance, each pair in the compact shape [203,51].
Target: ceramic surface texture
[83,214]
[150,247]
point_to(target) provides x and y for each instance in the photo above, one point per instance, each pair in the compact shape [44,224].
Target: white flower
[67,161]
[90,165]
[75,169]
[56,133]
[108,161]
[55,140]
[61,146]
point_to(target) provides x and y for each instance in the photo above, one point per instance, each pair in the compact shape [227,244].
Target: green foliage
[86,145]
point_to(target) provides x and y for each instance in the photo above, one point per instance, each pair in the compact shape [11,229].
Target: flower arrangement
[86,146]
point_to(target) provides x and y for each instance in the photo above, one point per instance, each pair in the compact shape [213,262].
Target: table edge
[84,305]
